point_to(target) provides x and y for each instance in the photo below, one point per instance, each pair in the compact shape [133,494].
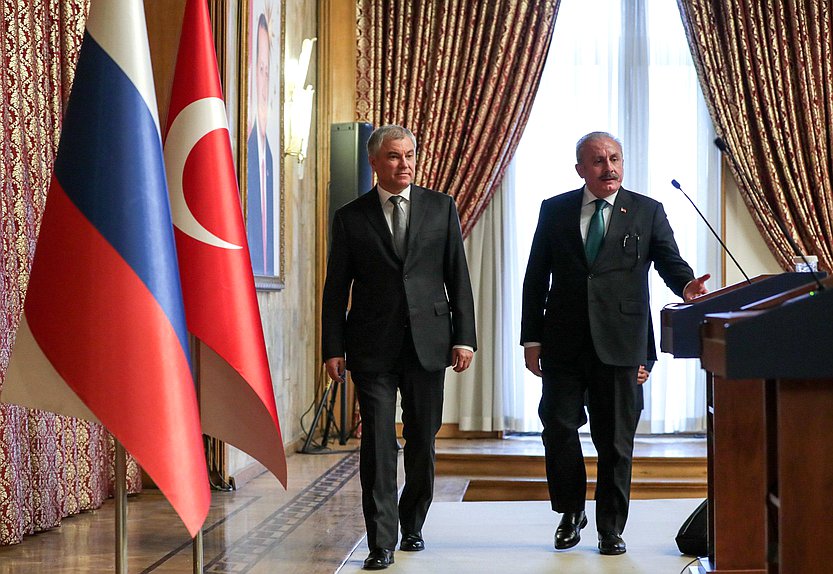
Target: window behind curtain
[625,69]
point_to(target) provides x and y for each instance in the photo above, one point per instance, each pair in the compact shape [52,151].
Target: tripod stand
[329,395]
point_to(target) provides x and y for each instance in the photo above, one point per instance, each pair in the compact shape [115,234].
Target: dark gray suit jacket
[567,302]
[431,289]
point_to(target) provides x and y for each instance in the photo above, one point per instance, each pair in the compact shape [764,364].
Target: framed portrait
[264,189]
[249,39]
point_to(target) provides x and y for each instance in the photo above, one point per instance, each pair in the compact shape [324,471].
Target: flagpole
[121,509]
[197,547]
[197,542]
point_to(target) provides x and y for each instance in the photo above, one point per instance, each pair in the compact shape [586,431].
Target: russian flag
[103,333]
[236,396]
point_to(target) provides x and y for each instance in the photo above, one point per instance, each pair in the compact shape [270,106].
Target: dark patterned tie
[596,232]
[400,228]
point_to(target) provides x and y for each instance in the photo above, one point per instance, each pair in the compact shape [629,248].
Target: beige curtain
[50,466]
[766,69]
[479,389]
[462,76]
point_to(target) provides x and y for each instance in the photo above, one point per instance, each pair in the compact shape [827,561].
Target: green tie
[596,232]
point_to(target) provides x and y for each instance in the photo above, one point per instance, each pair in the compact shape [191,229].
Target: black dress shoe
[412,543]
[378,559]
[611,544]
[568,532]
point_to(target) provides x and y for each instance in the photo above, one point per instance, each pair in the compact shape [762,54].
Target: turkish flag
[237,401]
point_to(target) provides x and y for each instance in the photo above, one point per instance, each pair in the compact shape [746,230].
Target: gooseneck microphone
[676,184]
[721,145]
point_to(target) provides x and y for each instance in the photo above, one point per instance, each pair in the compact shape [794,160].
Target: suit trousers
[614,401]
[422,409]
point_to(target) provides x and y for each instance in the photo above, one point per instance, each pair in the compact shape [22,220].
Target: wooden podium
[680,332]
[736,442]
[786,340]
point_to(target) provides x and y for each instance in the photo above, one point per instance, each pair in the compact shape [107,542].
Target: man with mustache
[586,330]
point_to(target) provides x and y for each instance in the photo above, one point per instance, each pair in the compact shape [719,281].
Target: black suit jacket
[430,290]
[567,302]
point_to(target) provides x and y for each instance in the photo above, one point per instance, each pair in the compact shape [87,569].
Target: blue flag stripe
[110,164]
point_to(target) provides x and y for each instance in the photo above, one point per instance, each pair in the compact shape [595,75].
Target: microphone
[676,184]
[721,145]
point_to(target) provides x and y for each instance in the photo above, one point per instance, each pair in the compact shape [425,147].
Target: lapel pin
[623,210]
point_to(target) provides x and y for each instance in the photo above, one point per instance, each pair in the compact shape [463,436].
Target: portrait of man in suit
[586,330]
[397,257]
[260,206]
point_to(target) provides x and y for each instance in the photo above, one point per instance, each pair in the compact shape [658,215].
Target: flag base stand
[214,460]
[327,402]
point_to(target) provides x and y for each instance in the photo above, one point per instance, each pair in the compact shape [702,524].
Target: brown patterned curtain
[462,76]
[50,466]
[766,69]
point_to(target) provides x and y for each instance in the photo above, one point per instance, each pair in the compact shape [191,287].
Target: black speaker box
[692,539]
[350,173]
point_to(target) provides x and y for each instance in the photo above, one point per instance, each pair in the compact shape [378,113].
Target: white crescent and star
[194,122]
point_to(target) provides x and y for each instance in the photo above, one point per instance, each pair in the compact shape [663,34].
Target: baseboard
[452,430]
[242,476]
[246,474]
[255,469]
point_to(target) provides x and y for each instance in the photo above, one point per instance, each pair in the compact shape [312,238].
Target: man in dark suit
[586,329]
[260,197]
[397,256]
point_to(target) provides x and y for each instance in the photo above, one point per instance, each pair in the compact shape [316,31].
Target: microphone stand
[676,184]
[721,145]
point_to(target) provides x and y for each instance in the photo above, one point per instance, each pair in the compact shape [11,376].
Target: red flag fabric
[103,333]
[237,401]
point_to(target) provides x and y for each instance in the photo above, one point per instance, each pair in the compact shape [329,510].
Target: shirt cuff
[531,344]
[465,347]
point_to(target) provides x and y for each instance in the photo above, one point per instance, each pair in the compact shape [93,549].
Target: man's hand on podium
[696,287]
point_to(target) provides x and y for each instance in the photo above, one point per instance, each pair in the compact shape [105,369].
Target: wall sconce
[298,103]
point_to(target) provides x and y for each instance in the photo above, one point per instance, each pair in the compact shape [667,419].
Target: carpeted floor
[503,537]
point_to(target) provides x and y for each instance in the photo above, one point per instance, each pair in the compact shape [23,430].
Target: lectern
[788,341]
[680,333]
[736,432]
